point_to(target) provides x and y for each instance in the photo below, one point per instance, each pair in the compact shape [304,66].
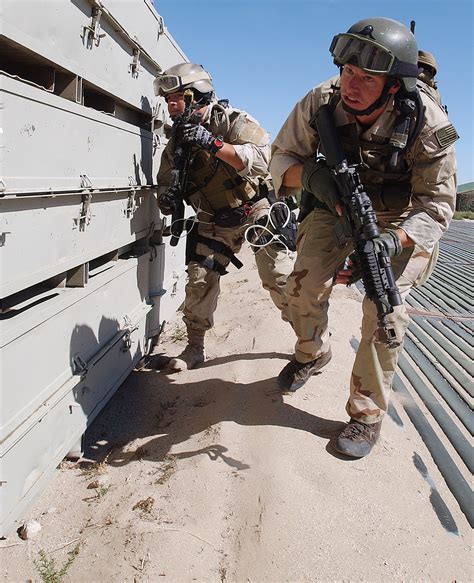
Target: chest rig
[384,164]
[213,184]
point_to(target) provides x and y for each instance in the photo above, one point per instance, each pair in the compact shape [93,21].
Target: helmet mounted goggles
[369,55]
[165,84]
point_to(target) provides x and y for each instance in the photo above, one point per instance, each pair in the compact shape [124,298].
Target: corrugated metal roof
[438,359]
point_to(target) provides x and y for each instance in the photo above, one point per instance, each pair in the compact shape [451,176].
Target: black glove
[390,242]
[387,241]
[167,203]
[317,178]
[198,135]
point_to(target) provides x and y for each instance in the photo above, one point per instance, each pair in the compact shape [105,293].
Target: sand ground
[213,475]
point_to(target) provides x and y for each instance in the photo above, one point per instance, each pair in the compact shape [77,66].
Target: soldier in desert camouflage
[412,192]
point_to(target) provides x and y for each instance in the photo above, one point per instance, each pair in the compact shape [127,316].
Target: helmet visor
[166,84]
[369,54]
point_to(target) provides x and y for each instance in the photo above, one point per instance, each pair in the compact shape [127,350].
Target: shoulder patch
[446,136]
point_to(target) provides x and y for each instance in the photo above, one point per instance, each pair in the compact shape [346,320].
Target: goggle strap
[403,69]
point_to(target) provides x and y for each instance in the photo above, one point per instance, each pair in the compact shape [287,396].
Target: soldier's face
[360,89]
[175,103]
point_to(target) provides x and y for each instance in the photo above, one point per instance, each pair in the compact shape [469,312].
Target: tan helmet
[427,60]
[185,76]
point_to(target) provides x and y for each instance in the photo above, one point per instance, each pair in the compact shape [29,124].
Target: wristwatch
[216,145]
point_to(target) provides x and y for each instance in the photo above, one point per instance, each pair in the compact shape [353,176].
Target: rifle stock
[360,225]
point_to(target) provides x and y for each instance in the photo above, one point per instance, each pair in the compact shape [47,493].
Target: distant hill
[465,187]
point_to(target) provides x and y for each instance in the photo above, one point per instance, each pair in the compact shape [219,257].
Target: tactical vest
[213,184]
[388,190]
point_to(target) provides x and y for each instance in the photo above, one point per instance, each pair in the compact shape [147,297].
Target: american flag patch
[446,136]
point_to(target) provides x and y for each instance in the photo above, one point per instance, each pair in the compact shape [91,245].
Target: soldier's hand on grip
[388,241]
[317,178]
[197,135]
[167,203]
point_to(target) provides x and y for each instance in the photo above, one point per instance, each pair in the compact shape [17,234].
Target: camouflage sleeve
[434,187]
[251,143]
[163,179]
[296,142]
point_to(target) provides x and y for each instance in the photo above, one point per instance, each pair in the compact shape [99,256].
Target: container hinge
[80,366]
[3,237]
[135,64]
[161,26]
[92,33]
[131,203]
[129,328]
[85,216]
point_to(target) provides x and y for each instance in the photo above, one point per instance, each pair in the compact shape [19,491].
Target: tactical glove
[317,179]
[167,203]
[198,135]
[390,242]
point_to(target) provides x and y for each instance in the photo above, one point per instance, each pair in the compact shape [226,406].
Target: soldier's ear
[395,87]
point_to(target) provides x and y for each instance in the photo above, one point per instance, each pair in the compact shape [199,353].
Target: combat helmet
[186,76]
[427,61]
[379,46]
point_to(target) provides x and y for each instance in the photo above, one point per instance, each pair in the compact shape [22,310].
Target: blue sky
[265,55]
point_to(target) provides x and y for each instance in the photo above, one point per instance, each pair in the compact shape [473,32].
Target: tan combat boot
[192,355]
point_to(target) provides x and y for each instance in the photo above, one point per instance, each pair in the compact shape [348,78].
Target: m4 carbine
[359,223]
[179,175]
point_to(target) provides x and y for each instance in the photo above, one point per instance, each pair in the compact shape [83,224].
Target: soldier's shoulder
[323,92]
[437,133]
[244,128]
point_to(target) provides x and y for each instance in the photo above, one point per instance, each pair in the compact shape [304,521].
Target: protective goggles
[369,54]
[173,83]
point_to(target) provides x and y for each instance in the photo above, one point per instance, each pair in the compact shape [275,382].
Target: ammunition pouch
[396,195]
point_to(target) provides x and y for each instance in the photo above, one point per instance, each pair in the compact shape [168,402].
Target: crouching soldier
[217,161]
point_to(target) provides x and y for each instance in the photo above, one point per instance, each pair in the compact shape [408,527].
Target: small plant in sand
[178,333]
[167,469]
[49,571]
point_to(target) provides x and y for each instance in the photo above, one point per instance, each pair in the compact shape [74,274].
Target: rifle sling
[219,247]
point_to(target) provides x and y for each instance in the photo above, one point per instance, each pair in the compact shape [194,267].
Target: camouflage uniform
[213,187]
[420,200]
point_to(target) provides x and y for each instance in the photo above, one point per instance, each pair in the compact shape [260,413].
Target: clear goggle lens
[370,55]
[167,84]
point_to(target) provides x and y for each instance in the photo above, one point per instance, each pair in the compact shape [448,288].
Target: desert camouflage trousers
[308,291]
[274,265]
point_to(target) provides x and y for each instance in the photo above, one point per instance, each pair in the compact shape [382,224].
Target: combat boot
[295,373]
[357,439]
[192,355]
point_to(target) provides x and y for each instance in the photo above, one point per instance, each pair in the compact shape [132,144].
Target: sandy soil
[213,475]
